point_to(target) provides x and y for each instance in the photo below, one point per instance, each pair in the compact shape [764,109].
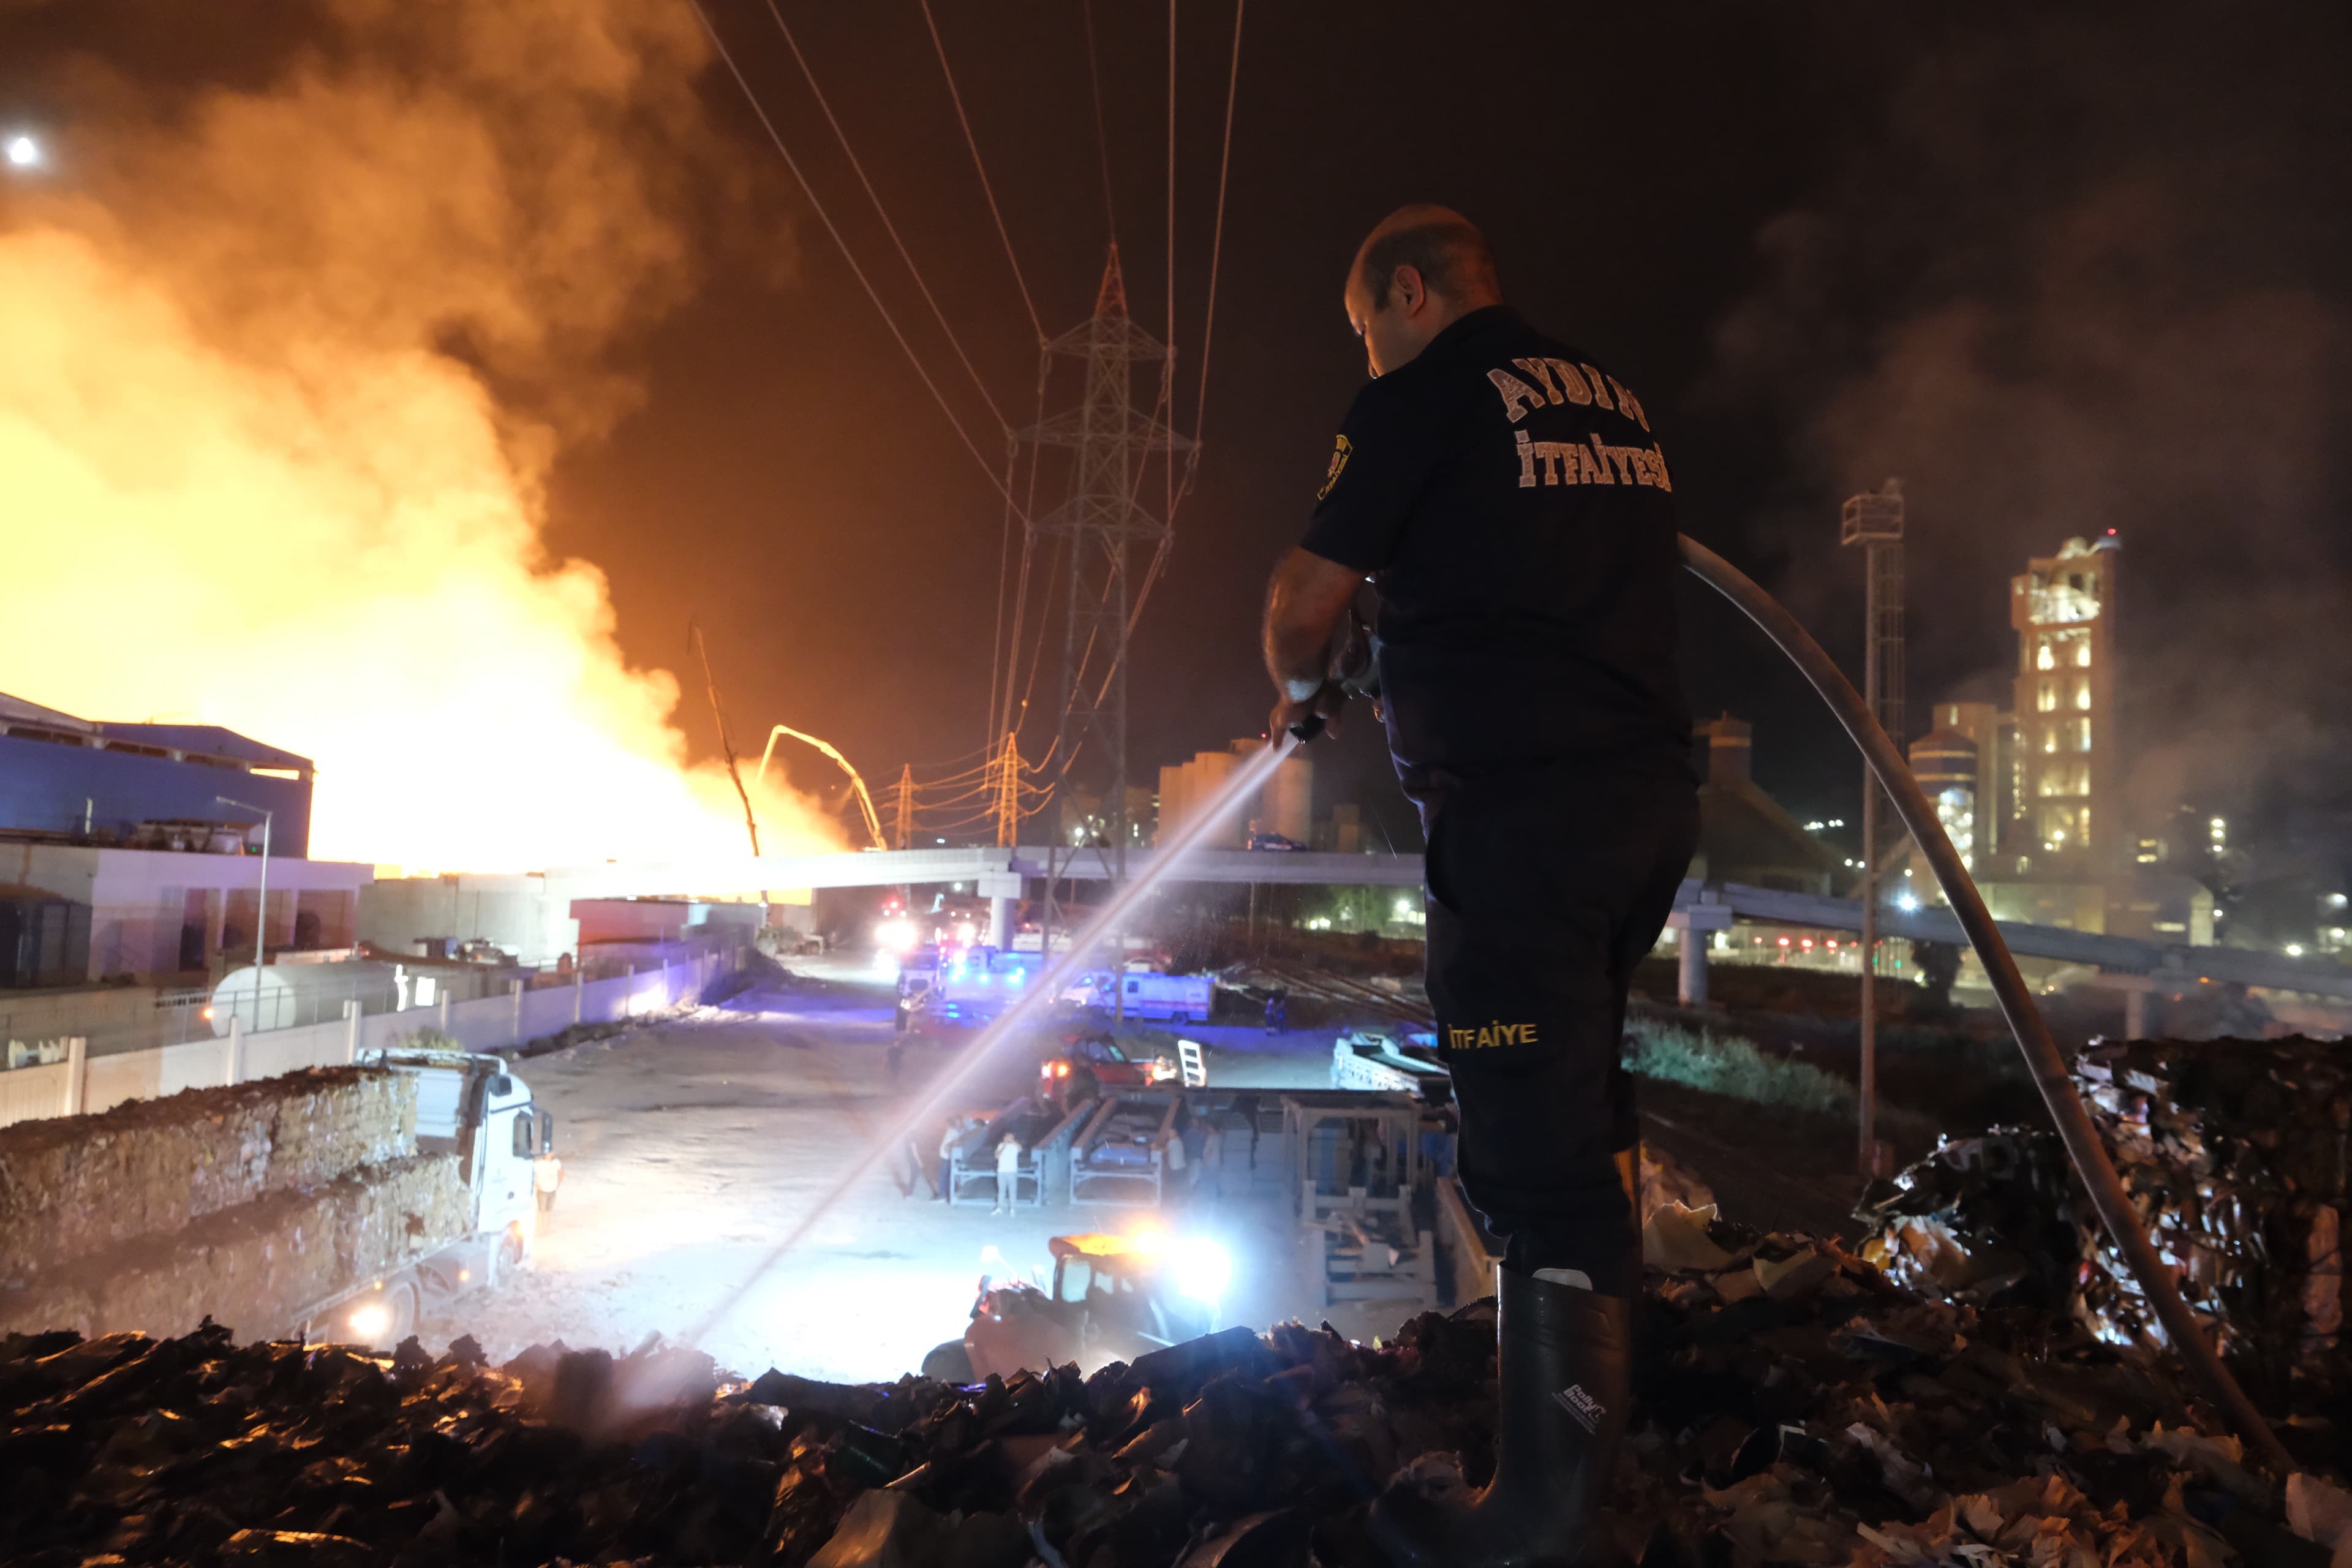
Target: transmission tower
[1109,439]
[1873,520]
[1004,790]
[903,829]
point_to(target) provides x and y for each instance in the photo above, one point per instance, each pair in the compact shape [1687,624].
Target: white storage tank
[283,995]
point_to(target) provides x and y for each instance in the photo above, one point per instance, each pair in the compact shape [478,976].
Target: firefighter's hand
[1325,705]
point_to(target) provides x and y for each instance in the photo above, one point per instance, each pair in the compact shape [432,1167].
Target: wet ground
[691,1146]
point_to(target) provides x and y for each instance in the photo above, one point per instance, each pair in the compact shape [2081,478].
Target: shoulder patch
[1339,462]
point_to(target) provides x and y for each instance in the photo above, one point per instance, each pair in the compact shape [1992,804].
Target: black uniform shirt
[1513,507]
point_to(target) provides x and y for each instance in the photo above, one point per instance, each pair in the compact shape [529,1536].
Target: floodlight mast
[261,912]
[1873,520]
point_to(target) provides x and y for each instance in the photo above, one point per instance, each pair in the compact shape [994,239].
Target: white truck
[475,1108]
[1146,993]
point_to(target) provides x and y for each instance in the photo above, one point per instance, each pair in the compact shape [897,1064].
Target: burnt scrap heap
[2236,1153]
[1796,1407]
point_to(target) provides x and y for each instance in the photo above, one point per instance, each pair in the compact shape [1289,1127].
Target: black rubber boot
[1564,1358]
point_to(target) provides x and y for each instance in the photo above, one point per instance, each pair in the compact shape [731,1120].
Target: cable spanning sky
[2059,273]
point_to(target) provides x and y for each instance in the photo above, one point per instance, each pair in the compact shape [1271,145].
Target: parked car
[1087,1064]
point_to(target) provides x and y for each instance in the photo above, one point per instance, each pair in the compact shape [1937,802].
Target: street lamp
[261,911]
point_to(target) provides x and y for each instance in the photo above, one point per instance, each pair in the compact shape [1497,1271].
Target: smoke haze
[284,371]
[2090,278]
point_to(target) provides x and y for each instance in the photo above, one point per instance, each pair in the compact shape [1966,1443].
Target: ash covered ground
[690,1146]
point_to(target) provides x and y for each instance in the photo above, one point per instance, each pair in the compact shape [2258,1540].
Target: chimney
[1727,746]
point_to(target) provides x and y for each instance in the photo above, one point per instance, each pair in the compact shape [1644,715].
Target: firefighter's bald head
[1419,270]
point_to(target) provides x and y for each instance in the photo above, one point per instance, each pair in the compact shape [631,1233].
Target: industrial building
[1283,807]
[134,851]
[145,787]
[2032,794]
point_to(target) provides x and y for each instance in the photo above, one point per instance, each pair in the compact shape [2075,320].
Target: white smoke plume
[2082,280]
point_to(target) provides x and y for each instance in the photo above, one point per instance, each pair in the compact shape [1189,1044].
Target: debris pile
[1796,1407]
[2235,1153]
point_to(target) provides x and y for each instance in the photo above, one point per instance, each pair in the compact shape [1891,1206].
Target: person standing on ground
[1278,1011]
[546,1176]
[947,1142]
[1211,1172]
[1512,506]
[1008,1174]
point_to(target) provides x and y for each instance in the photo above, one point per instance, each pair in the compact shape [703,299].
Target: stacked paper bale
[263,1199]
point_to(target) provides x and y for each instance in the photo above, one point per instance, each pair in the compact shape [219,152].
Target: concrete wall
[86,1084]
[518,913]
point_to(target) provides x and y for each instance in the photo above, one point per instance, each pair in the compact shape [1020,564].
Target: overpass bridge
[2134,965]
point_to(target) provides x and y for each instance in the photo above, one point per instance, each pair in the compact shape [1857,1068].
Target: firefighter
[1509,502]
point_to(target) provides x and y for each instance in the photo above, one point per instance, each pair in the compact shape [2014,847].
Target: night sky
[2062,268]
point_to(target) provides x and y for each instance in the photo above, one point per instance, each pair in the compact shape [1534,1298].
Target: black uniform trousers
[1545,889]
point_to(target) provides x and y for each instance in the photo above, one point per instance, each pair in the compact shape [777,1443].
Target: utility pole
[1109,440]
[261,904]
[726,746]
[1873,520]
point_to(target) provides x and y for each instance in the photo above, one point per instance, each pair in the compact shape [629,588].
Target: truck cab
[475,1108]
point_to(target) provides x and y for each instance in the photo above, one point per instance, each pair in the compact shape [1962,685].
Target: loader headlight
[370,1321]
[1202,1269]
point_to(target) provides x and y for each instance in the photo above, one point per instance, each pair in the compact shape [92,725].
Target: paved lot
[690,1148]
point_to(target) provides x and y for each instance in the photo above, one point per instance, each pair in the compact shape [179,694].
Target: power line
[1001,648]
[985,189]
[1168,366]
[818,206]
[1217,237]
[1102,141]
[879,211]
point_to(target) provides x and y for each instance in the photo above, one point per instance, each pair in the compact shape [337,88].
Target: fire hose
[2109,1198]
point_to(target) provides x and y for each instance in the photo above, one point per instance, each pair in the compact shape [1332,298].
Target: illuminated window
[2050,738]
[2046,698]
[2082,654]
[2044,658]
[2082,734]
[2063,826]
[2082,695]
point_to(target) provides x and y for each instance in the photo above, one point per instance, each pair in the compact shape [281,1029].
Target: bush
[1730,1065]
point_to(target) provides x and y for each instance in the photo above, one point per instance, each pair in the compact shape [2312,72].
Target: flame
[281,374]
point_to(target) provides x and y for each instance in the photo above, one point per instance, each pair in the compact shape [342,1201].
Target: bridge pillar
[2135,1007]
[1000,888]
[1698,923]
